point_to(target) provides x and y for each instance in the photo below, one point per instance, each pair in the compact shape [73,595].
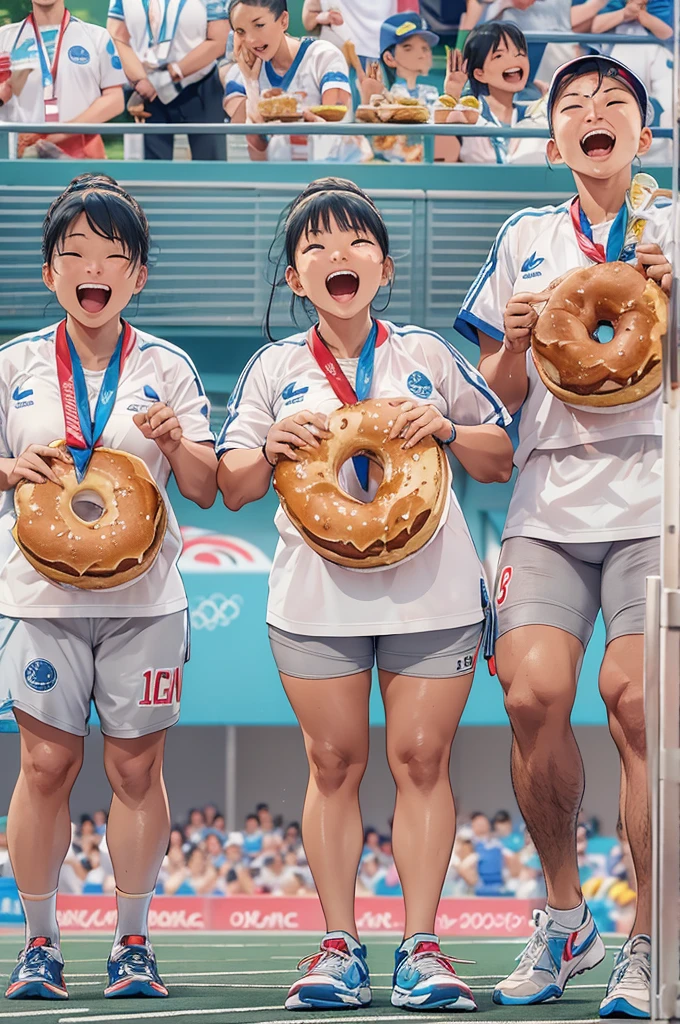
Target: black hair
[478,814]
[486,39]
[276,7]
[501,816]
[261,807]
[322,202]
[249,817]
[111,213]
[389,74]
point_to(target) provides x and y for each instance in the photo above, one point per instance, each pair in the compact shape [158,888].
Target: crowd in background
[190,71]
[492,856]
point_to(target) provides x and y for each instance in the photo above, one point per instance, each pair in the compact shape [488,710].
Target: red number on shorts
[503,585]
[164,686]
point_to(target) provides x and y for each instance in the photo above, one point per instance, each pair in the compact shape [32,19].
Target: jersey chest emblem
[531,265]
[22,397]
[291,395]
[40,675]
[79,55]
[419,385]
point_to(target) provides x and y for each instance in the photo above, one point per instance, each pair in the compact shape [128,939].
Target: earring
[637,164]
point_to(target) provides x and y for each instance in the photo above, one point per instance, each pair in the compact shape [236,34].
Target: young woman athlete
[66,647]
[421,620]
[583,526]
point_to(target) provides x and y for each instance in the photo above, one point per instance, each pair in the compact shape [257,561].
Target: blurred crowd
[492,856]
[205,67]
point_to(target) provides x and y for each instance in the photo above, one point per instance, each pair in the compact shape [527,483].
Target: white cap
[234,839]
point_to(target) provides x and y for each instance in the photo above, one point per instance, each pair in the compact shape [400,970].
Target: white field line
[44,1013]
[317,1019]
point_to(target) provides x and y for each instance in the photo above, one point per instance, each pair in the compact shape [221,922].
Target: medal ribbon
[341,386]
[584,234]
[49,74]
[163,36]
[83,434]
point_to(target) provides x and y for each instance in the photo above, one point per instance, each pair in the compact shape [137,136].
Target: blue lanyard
[92,430]
[617,233]
[363,389]
[162,34]
[48,74]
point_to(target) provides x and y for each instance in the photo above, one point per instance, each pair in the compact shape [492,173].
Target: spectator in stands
[549,16]
[589,864]
[507,835]
[496,63]
[220,824]
[210,812]
[252,839]
[176,840]
[371,872]
[100,819]
[64,69]
[266,55]
[278,878]
[199,876]
[292,838]
[357,21]
[371,841]
[87,828]
[266,819]
[170,58]
[237,875]
[653,64]
[173,871]
[214,850]
[195,826]
[462,878]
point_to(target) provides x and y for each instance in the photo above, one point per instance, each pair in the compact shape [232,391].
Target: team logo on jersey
[115,59]
[40,675]
[79,55]
[290,395]
[419,385]
[150,394]
[21,397]
[531,265]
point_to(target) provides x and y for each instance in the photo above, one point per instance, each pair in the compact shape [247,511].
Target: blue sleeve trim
[233,88]
[468,324]
[182,355]
[116,10]
[335,78]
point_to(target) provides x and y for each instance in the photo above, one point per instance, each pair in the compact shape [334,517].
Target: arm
[132,65]
[606,22]
[582,14]
[243,475]
[211,49]
[310,13]
[505,371]
[655,25]
[194,465]
[109,105]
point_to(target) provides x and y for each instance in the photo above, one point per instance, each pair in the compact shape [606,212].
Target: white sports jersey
[318,67]
[361,23]
[31,413]
[88,64]
[534,247]
[478,150]
[439,587]
[184,26]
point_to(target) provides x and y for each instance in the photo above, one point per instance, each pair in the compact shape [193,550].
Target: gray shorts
[543,583]
[131,669]
[434,654]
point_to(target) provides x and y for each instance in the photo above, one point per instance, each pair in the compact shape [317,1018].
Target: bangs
[109,215]
[511,34]
[349,211]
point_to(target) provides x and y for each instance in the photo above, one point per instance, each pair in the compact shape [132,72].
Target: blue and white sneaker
[39,973]
[551,957]
[424,978]
[336,977]
[628,991]
[133,971]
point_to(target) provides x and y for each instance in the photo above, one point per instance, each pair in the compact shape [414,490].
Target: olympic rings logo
[215,611]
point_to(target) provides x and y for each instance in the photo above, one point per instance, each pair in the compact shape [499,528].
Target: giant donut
[119,546]
[408,505]
[573,365]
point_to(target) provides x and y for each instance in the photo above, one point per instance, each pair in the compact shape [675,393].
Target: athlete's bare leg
[333,716]
[39,822]
[421,717]
[621,686]
[138,828]
[538,667]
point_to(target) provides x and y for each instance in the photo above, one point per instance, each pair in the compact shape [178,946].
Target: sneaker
[133,971]
[424,978]
[336,977]
[628,991]
[39,974]
[551,957]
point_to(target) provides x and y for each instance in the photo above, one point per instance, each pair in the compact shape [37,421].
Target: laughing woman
[419,621]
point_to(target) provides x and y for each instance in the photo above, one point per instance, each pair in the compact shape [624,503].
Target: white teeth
[341,273]
[599,131]
[513,71]
[100,287]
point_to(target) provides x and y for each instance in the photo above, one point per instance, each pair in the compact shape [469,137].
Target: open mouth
[343,285]
[598,144]
[93,297]
[513,76]
[260,50]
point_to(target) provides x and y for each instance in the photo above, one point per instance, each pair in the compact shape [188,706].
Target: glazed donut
[577,368]
[109,551]
[403,515]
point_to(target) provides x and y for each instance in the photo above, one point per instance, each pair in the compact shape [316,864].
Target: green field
[243,979]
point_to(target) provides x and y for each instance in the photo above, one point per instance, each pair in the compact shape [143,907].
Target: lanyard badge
[49,73]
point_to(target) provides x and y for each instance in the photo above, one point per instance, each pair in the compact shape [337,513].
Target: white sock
[133,915]
[571,919]
[41,916]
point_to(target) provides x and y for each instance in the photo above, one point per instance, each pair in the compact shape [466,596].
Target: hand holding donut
[160,424]
[298,431]
[652,260]
[519,319]
[416,421]
[33,465]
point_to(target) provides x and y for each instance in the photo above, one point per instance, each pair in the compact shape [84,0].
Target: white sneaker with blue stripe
[424,978]
[552,956]
[628,991]
[336,977]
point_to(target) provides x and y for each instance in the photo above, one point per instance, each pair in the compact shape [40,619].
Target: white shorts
[131,669]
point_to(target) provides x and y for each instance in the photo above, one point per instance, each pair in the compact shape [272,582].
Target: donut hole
[604,332]
[88,506]
[376,473]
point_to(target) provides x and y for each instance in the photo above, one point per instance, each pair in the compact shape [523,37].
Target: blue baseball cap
[402,26]
[608,68]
